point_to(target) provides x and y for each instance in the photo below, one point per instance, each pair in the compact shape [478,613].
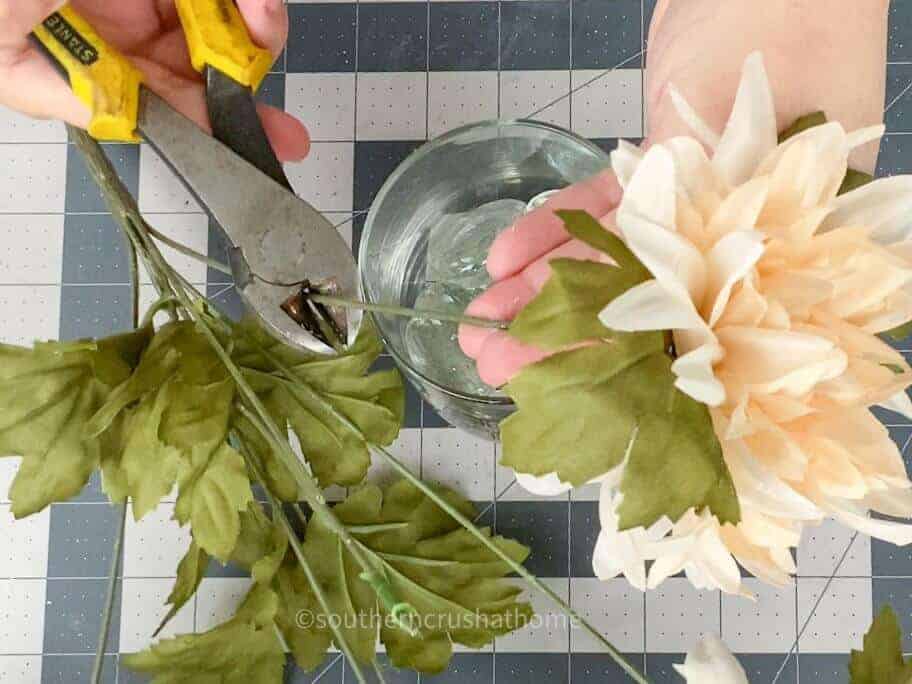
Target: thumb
[267,21]
[17,19]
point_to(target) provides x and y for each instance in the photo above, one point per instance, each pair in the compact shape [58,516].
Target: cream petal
[900,404]
[824,159]
[857,518]
[543,485]
[863,136]
[649,306]
[702,130]
[751,132]
[651,192]
[616,554]
[762,491]
[693,169]
[831,469]
[779,360]
[884,205]
[710,662]
[624,160]
[664,567]
[779,452]
[892,501]
[740,210]
[747,307]
[717,563]
[669,256]
[694,371]
[730,260]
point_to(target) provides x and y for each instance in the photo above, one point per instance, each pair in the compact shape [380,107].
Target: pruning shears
[283,247]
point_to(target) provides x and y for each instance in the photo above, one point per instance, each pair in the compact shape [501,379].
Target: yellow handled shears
[279,240]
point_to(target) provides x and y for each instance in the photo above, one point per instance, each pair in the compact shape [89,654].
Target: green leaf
[243,650]
[802,124]
[190,572]
[584,227]
[881,660]
[900,332]
[854,180]
[261,545]
[299,618]
[579,410]
[213,493]
[329,397]
[566,310]
[47,395]
[454,583]
[148,466]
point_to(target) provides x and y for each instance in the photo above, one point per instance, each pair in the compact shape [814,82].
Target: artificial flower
[710,662]
[775,288]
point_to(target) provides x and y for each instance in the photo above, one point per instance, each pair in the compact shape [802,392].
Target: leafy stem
[183,300]
[279,514]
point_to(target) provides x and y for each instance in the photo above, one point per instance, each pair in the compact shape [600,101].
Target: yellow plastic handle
[217,37]
[99,75]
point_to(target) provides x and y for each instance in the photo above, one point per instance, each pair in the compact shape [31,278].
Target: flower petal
[689,116]
[751,132]
[649,306]
[857,518]
[650,194]
[668,255]
[729,261]
[899,403]
[694,371]
[543,485]
[625,159]
[884,206]
[710,662]
[762,491]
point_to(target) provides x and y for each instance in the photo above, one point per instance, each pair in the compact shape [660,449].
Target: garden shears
[282,247]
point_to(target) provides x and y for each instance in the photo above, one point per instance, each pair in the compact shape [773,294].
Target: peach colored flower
[774,288]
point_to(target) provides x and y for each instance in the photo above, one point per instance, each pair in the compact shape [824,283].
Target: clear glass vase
[426,237]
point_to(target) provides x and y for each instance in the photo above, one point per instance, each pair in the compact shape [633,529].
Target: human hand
[828,58]
[149,33]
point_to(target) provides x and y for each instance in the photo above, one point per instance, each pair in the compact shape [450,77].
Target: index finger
[540,231]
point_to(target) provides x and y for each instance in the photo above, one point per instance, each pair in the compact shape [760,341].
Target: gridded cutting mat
[372,81]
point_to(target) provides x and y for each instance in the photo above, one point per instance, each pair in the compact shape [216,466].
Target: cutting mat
[373,80]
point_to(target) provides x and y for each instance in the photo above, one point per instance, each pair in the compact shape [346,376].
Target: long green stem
[406,312]
[111,591]
[518,568]
[461,519]
[108,610]
[295,543]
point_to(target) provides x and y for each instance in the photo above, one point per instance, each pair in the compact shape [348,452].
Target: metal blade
[236,123]
[279,239]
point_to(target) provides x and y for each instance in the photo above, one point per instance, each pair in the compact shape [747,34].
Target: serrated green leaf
[881,660]
[676,445]
[243,650]
[148,466]
[803,123]
[578,411]
[327,395]
[47,395]
[454,583]
[213,493]
[261,545]
[190,572]
[566,310]
[308,637]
